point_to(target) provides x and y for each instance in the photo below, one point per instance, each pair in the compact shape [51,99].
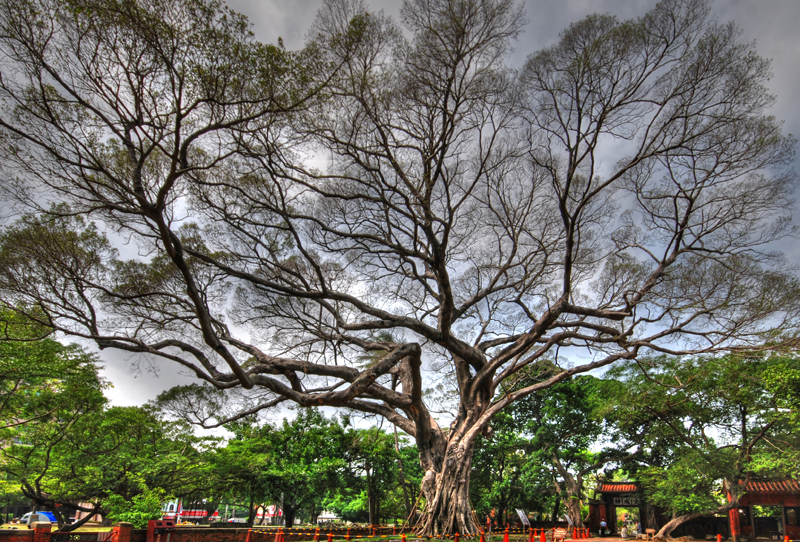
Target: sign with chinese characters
[627,500]
[523,518]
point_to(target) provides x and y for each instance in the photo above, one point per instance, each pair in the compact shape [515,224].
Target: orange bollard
[542,537]
[330,537]
[403,537]
[374,532]
[394,529]
[786,538]
[249,531]
[719,538]
[347,536]
[574,533]
[505,535]
[316,535]
[455,539]
[482,539]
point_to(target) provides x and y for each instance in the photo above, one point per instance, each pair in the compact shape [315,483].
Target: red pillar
[733,519]
[122,532]
[41,531]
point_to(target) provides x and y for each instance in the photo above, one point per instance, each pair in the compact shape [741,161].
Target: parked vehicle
[28,518]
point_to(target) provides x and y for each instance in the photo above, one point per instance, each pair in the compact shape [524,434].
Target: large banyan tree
[392,193]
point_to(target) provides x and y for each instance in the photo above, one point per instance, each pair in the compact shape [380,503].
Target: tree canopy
[617,197]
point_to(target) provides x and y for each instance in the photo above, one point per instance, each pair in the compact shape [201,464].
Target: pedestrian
[603,527]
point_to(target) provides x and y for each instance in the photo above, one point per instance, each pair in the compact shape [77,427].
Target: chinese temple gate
[615,495]
[783,493]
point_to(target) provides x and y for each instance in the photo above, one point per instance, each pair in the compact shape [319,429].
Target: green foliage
[42,380]
[139,509]
[685,487]
[311,463]
[534,443]
[105,457]
[702,422]
[295,463]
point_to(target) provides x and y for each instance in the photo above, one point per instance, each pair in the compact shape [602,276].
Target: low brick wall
[16,535]
[257,534]
[43,532]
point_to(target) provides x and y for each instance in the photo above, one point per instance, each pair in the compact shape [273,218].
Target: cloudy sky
[772,24]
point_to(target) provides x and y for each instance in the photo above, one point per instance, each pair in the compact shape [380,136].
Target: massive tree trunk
[447,494]
[446,460]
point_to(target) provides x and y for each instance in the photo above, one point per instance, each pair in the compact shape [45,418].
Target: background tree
[294,465]
[562,428]
[146,506]
[85,459]
[505,476]
[372,458]
[616,199]
[704,426]
[545,446]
